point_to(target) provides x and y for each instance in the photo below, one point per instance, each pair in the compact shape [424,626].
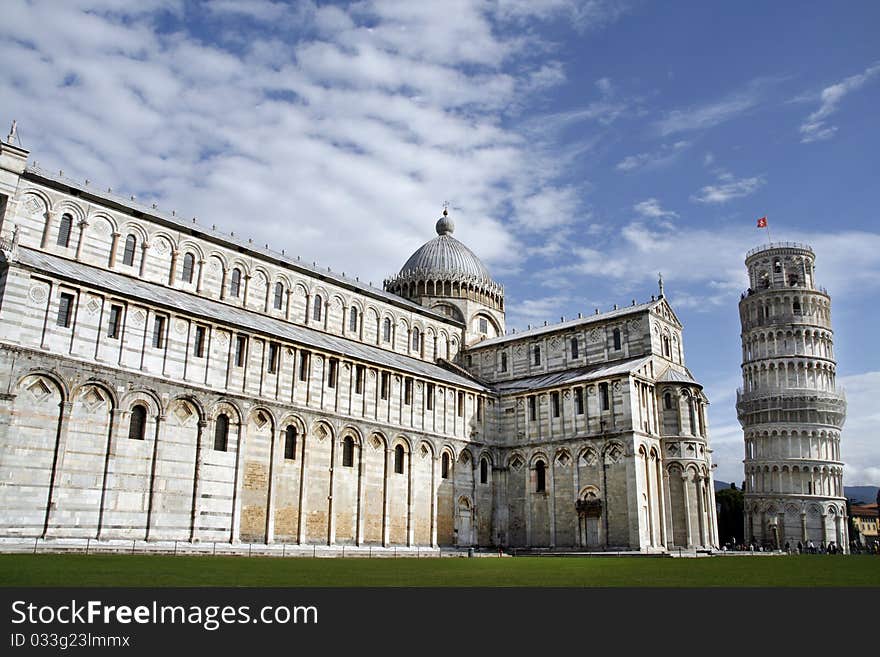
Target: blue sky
[583,146]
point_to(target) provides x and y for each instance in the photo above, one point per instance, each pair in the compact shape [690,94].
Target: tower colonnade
[789,406]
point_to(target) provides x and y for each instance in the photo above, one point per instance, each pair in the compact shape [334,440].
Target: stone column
[435,463]
[239,479]
[687,508]
[172,270]
[303,491]
[222,283]
[551,503]
[244,296]
[199,277]
[151,500]
[116,417]
[274,451]
[114,245]
[144,247]
[60,450]
[331,511]
[410,529]
[79,244]
[197,483]
[288,294]
[361,493]
[386,501]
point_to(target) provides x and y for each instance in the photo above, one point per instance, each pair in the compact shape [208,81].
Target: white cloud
[815,127]
[302,125]
[727,189]
[708,115]
[666,154]
[651,208]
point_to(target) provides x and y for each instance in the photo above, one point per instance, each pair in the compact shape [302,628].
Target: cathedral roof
[570,324]
[445,258]
[572,376]
[672,375]
[214,310]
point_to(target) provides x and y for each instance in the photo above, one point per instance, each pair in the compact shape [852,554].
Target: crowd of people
[800,547]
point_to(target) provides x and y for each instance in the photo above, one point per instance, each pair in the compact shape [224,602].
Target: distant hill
[863,494]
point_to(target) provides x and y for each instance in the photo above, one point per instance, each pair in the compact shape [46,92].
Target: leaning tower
[789,406]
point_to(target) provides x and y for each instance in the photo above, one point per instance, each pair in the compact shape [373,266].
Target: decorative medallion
[424,451]
[563,459]
[516,463]
[465,457]
[161,247]
[613,455]
[183,412]
[616,386]
[554,343]
[376,442]
[93,306]
[101,227]
[180,326]
[321,432]
[33,205]
[39,390]
[93,400]
[595,336]
[261,419]
[672,449]
[222,338]
[138,318]
[214,266]
[38,293]
[590,457]
[635,324]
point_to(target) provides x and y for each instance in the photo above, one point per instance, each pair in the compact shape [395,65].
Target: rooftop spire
[660,283]
[12,130]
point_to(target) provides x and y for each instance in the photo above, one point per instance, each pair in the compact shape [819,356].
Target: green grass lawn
[140,570]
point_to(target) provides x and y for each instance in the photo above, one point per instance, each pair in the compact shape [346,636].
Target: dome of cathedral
[444,258]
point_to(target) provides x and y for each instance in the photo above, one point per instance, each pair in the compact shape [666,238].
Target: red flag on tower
[762,222]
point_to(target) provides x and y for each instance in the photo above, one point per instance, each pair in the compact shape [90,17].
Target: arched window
[348,452]
[540,477]
[796,306]
[235,283]
[279,296]
[221,432]
[189,264]
[316,308]
[386,330]
[484,471]
[777,267]
[416,338]
[290,442]
[575,348]
[617,339]
[398,459]
[353,319]
[128,254]
[667,401]
[603,394]
[138,425]
[666,350]
[503,361]
[444,466]
[537,354]
[64,230]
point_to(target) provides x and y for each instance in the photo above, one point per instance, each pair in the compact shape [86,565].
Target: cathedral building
[160,380]
[789,406]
